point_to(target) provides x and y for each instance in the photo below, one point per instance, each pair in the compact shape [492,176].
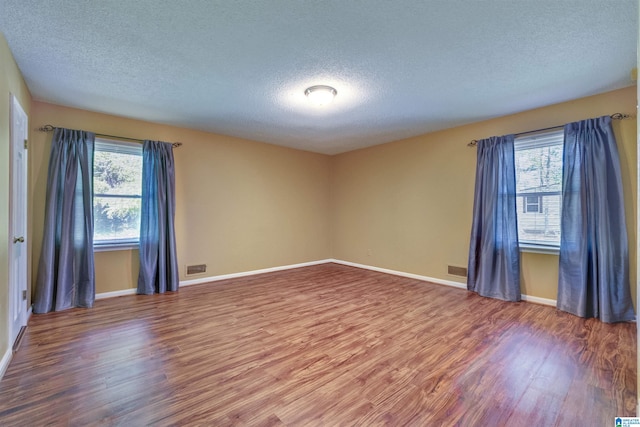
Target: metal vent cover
[457,271]
[196,269]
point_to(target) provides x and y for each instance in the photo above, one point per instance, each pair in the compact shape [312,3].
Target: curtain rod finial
[46,128]
[622,116]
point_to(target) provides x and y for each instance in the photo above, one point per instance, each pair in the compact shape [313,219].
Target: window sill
[539,249]
[115,247]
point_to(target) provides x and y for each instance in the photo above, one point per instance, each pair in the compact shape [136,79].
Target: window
[538,161]
[532,204]
[117,191]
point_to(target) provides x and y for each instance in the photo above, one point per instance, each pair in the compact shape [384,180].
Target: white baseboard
[217,278]
[113,294]
[4,363]
[538,300]
[459,285]
[201,280]
[403,274]
[250,273]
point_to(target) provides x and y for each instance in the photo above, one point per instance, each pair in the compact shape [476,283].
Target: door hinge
[24,295]
[25,144]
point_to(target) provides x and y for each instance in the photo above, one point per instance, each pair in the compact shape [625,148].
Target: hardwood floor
[322,345]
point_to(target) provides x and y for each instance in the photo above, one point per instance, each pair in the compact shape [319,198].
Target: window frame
[526,204]
[125,147]
[541,139]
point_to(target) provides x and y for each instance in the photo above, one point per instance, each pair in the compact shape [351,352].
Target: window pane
[116,218]
[533,204]
[117,187]
[539,188]
[540,226]
[117,173]
[539,170]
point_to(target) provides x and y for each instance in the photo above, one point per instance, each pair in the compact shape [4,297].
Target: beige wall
[407,205]
[241,205]
[11,82]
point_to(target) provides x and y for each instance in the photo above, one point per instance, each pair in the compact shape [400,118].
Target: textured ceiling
[401,68]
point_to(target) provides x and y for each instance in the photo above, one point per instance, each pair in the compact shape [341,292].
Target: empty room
[324,213]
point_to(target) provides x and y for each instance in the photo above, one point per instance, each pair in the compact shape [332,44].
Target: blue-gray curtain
[66,273]
[158,259]
[494,256]
[594,253]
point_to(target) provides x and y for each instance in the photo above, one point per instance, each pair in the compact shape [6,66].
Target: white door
[18,221]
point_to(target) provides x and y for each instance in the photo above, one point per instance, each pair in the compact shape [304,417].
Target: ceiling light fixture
[320,94]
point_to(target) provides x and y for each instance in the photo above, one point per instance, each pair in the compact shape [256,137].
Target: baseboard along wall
[527,298]
[217,278]
[250,273]
[8,355]
[4,363]
[201,280]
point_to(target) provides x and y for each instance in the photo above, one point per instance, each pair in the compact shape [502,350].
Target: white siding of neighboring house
[531,226]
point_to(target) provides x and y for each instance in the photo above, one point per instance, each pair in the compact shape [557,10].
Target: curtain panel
[594,253]
[66,272]
[158,258]
[494,256]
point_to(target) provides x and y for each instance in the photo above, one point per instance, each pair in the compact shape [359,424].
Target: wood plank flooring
[323,345]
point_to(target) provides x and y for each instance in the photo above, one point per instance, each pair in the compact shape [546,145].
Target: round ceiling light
[320,94]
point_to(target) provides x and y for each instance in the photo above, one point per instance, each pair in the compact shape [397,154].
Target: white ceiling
[240,68]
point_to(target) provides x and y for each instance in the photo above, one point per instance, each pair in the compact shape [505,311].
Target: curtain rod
[50,128]
[614,116]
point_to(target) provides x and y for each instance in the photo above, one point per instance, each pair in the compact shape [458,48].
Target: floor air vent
[457,271]
[196,269]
